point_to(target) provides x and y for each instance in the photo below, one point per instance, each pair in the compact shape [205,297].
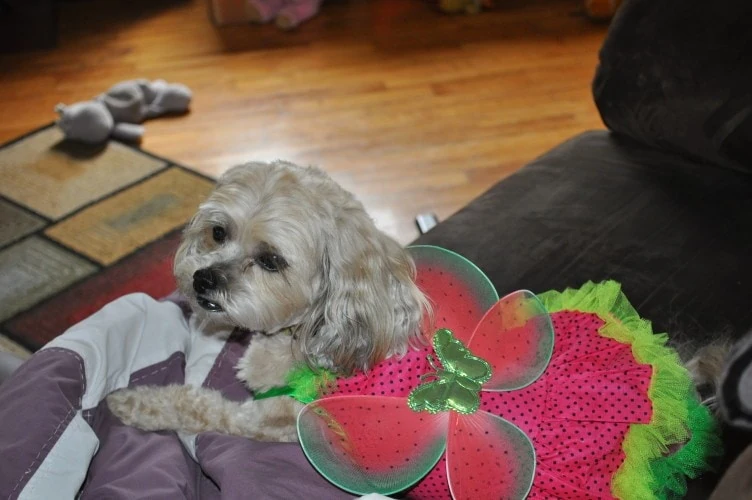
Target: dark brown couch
[661,202]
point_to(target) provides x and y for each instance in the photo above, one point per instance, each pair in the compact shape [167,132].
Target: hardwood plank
[411,109]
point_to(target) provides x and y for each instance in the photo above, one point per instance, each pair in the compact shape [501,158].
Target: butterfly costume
[562,395]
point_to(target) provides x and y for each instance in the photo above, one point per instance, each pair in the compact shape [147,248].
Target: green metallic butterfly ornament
[457,385]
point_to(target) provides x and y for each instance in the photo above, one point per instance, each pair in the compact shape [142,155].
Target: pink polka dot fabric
[576,414]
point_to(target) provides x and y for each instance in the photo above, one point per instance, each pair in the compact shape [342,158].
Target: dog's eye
[271,262]
[219,234]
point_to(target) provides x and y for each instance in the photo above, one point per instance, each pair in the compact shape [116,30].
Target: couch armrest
[675,75]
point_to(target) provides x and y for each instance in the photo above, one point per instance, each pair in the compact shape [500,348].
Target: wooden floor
[410,109]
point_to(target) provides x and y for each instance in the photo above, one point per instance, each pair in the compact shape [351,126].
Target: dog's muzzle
[206,280]
[208,304]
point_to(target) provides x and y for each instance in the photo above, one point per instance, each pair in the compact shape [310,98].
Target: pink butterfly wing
[458,290]
[371,444]
[516,337]
[488,458]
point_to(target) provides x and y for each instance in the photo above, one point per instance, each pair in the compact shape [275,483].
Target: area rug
[81,226]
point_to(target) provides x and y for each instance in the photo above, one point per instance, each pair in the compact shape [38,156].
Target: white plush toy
[118,112]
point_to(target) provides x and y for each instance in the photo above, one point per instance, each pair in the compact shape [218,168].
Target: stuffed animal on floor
[118,112]
[287,14]
[91,122]
[563,395]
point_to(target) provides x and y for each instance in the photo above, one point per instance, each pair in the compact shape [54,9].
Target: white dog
[286,252]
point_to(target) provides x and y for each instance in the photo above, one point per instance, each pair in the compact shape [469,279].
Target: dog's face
[278,246]
[249,257]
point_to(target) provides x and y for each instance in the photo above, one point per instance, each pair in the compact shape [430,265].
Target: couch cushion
[677,74]
[676,234]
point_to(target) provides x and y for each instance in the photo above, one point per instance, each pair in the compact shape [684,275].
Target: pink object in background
[286,14]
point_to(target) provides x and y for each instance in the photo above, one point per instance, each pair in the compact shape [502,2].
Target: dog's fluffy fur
[286,252]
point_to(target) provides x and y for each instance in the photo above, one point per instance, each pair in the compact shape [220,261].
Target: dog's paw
[266,362]
[290,435]
[150,408]
[180,408]
[124,404]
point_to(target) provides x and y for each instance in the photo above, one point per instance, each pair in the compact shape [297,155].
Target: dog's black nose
[205,280]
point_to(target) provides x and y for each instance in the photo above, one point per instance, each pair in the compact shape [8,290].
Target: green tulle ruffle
[681,438]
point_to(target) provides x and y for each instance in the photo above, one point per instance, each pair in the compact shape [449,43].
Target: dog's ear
[369,306]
